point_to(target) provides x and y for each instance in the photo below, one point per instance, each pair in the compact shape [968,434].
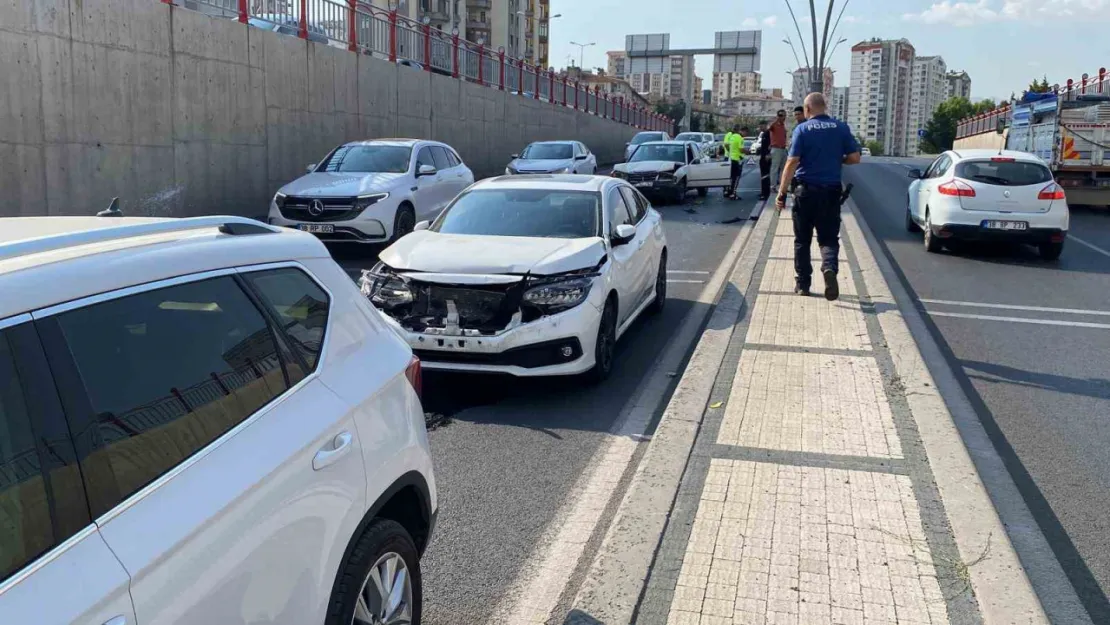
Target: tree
[748,121]
[940,131]
[983,106]
[875,147]
[1040,86]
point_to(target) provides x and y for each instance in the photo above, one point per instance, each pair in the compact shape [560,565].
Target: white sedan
[553,157]
[988,195]
[526,276]
[671,168]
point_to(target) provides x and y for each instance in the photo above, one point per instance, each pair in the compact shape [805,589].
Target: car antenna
[112,210]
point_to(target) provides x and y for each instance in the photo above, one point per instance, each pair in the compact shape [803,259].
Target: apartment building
[443,14]
[799,87]
[617,66]
[728,85]
[879,95]
[838,106]
[607,84]
[758,105]
[520,26]
[676,81]
[930,88]
[959,84]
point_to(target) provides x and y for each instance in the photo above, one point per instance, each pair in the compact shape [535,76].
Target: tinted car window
[1004,173]
[26,528]
[389,159]
[548,151]
[439,155]
[644,137]
[662,152]
[619,212]
[522,213]
[635,204]
[424,157]
[300,305]
[454,158]
[165,373]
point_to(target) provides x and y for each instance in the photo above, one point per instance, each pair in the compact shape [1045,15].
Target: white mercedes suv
[202,421]
[372,191]
[526,275]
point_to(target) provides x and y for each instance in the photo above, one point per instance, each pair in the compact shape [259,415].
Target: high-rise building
[838,107]
[520,26]
[879,92]
[930,88]
[959,84]
[697,87]
[799,88]
[727,85]
[618,64]
[443,14]
[674,83]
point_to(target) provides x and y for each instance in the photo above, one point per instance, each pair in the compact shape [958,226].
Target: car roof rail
[226,224]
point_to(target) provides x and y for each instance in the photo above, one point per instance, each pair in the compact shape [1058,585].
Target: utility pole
[821,48]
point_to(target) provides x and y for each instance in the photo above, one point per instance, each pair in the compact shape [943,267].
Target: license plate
[643,184]
[992,224]
[317,228]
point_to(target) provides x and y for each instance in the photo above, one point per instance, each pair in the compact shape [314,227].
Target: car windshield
[718,137]
[1007,173]
[644,137]
[387,159]
[690,136]
[674,153]
[522,213]
[548,151]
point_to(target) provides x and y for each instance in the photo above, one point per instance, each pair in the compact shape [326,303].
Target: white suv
[372,191]
[202,421]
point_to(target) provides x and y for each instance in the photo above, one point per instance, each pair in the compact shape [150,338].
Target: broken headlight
[384,288]
[554,297]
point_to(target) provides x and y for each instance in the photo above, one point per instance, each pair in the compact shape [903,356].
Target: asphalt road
[1040,383]
[508,451]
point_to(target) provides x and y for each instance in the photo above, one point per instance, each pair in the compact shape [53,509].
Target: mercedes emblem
[1006,193]
[316,208]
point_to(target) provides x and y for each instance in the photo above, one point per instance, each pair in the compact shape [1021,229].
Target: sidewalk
[808,497]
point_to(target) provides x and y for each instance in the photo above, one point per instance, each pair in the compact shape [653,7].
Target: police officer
[819,147]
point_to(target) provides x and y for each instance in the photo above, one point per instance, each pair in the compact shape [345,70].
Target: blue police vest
[821,143]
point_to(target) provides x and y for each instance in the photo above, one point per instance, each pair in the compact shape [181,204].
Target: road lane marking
[1046,322]
[538,587]
[700,273]
[1068,311]
[1090,245]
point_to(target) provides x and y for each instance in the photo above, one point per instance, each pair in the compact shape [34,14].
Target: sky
[1002,44]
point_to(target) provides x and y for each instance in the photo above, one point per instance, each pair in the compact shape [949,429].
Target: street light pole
[821,49]
[582,50]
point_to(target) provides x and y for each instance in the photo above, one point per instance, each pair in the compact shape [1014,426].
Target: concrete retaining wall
[180,114]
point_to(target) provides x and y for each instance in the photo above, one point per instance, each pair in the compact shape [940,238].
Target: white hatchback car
[988,195]
[372,191]
[202,421]
[526,275]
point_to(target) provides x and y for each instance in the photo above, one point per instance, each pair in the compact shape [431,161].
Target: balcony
[479,4]
[476,25]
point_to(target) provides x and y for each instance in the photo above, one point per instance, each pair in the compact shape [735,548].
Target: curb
[963,460]
[611,590]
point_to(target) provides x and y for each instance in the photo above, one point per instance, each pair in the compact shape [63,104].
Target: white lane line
[1090,245]
[1068,311]
[700,273]
[669,281]
[1045,322]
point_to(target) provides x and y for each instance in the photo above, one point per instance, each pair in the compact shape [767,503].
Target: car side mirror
[515,156]
[624,234]
[422,225]
[426,170]
[309,168]
[916,174]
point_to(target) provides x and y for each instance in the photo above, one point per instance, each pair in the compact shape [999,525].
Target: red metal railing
[365,29]
[988,122]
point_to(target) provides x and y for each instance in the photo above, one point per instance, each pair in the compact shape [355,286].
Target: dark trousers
[765,177]
[735,169]
[815,208]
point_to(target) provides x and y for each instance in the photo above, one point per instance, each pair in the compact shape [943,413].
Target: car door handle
[339,447]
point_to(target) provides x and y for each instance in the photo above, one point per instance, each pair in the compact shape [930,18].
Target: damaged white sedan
[526,275]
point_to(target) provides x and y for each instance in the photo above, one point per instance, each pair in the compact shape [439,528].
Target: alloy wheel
[386,594]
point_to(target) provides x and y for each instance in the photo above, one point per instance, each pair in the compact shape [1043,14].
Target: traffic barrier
[365,29]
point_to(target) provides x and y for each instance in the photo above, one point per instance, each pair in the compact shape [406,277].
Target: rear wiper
[992,179]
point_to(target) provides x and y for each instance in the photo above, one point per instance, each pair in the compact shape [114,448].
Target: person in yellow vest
[734,147]
[724,144]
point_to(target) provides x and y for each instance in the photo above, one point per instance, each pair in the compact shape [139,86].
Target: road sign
[920,132]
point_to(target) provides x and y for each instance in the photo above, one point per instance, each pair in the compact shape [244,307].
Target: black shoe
[801,290]
[832,289]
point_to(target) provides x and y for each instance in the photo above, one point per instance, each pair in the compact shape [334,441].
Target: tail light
[956,188]
[1051,192]
[1001,159]
[414,376]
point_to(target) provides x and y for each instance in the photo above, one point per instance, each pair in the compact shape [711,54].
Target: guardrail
[988,121]
[365,29]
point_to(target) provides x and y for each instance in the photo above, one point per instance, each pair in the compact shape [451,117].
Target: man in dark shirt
[819,147]
[764,155]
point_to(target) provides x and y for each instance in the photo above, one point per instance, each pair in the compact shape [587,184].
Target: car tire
[932,243]
[605,344]
[703,191]
[660,300]
[1050,251]
[403,222]
[680,192]
[911,225]
[384,542]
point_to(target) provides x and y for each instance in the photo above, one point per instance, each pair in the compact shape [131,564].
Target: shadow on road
[1098,388]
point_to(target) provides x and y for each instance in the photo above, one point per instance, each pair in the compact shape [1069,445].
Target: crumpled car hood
[645,167]
[429,251]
